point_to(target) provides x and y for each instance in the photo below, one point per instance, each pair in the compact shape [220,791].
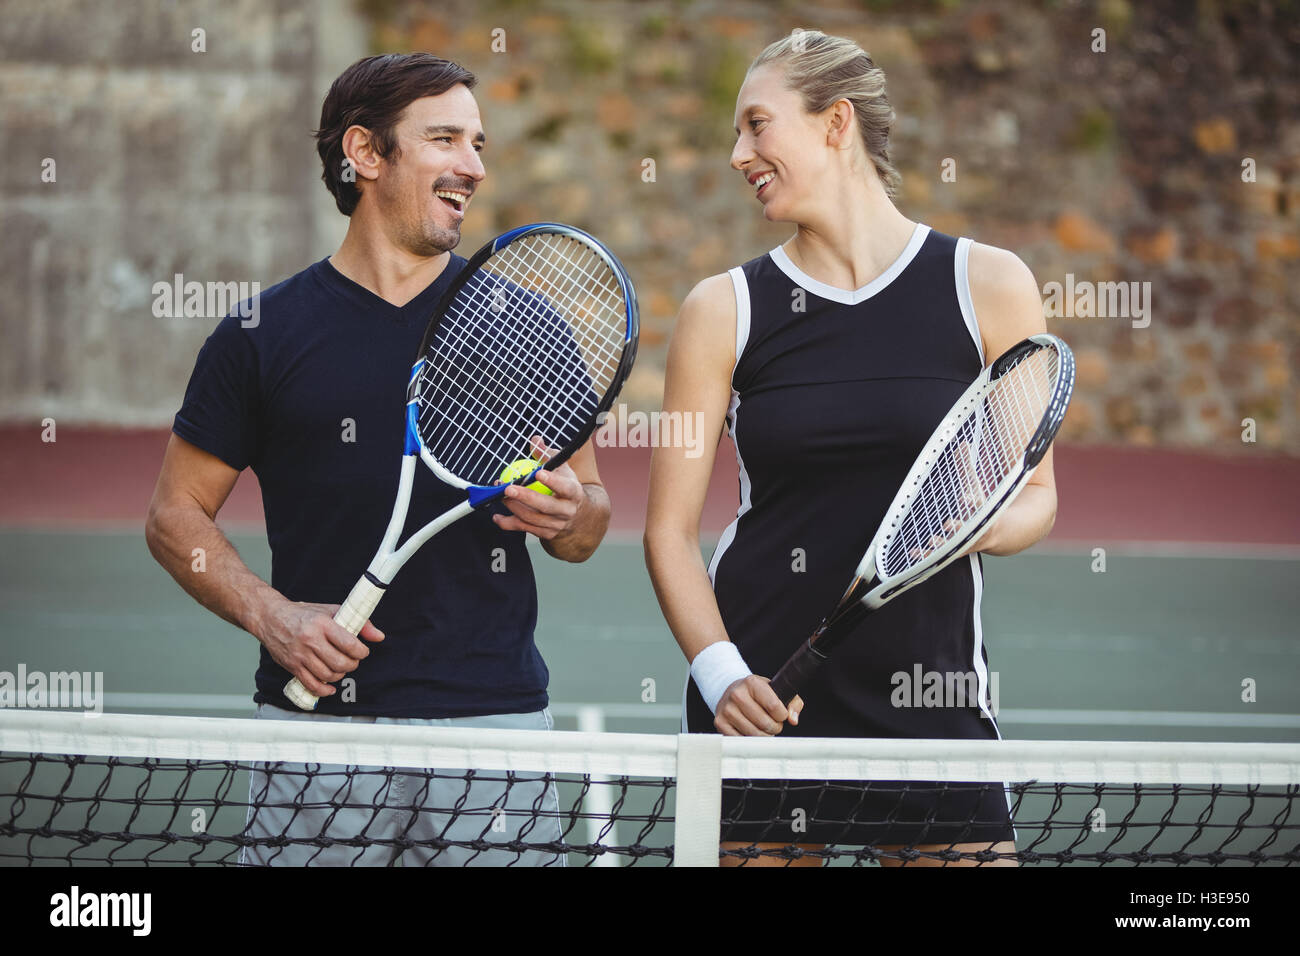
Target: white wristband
[715,669]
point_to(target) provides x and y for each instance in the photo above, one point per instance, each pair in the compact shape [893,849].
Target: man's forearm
[584,535]
[194,551]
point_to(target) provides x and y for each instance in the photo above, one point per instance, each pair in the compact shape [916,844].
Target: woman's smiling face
[781,148]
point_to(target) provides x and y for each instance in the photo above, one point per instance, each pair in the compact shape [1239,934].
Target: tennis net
[141,790]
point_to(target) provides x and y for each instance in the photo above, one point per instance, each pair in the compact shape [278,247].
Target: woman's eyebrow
[745,114]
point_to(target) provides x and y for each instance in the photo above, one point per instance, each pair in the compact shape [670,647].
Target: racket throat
[853,609]
[857,602]
[816,635]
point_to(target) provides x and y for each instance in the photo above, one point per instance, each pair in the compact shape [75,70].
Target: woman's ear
[840,124]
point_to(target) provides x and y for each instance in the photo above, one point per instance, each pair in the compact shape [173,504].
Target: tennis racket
[976,461]
[529,345]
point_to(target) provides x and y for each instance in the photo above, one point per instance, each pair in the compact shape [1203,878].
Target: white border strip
[740,288]
[800,278]
[650,755]
[697,835]
[1012,760]
[740,285]
[330,742]
[961,269]
[1060,717]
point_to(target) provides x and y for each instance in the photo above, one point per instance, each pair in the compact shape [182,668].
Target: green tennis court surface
[1154,648]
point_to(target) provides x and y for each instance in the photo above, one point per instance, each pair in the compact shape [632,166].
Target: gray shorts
[307,802]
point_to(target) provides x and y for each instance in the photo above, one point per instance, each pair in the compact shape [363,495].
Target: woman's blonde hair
[823,69]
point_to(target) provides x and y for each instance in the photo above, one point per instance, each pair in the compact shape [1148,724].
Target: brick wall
[1123,166]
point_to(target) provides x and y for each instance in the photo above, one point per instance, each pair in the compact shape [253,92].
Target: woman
[830,360]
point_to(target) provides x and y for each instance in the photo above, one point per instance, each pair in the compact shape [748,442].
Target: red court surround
[104,477]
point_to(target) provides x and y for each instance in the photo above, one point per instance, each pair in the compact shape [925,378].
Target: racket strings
[577,283]
[478,427]
[520,357]
[582,287]
[528,349]
[981,459]
[586,290]
[517,356]
[466,407]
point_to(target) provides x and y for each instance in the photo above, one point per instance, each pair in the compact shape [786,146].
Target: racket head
[979,457]
[534,339]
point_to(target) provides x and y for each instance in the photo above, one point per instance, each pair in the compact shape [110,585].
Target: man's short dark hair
[373,93]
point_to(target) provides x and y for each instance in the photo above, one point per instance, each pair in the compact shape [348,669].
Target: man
[310,396]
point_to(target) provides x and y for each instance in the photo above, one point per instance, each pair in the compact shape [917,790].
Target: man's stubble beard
[424,237]
[435,240]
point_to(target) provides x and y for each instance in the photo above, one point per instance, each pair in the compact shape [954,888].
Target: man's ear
[360,150]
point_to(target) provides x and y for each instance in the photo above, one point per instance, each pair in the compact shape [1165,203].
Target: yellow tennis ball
[519,469]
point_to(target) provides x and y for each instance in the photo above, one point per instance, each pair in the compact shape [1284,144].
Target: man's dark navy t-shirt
[311,396]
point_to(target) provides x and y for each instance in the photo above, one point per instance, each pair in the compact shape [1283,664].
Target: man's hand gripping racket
[970,470]
[530,344]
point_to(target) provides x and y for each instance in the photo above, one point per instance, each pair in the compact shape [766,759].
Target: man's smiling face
[425,187]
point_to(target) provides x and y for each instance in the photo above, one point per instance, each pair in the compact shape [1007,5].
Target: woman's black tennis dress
[833,394]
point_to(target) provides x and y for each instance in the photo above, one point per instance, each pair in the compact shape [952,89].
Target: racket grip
[356,610]
[300,696]
[352,617]
[797,673]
